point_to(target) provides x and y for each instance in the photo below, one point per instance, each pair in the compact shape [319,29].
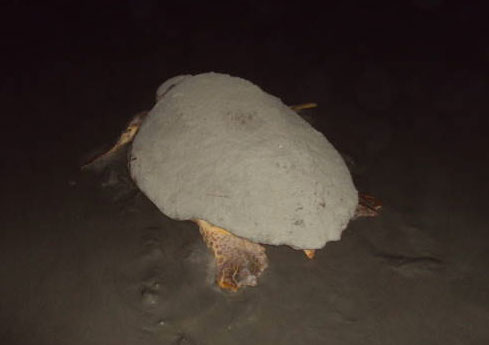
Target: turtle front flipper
[239,262]
[125,138]
[303,106]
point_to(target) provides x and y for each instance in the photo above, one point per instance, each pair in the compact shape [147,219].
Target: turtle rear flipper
[368,206]
[239,262]
[125,138]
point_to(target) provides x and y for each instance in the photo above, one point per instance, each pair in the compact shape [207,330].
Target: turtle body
[246,168]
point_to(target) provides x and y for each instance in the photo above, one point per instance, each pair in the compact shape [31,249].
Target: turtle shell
[219,148]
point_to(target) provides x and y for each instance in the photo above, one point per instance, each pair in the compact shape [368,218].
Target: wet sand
[87,259]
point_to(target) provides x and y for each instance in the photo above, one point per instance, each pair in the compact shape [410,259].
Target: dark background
[50,44]
[55,53]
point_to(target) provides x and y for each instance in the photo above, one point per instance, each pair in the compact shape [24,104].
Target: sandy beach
[88,259]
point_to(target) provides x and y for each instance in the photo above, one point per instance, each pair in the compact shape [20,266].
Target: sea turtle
[219,151]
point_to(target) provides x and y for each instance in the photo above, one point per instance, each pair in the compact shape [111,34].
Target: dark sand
[87,259]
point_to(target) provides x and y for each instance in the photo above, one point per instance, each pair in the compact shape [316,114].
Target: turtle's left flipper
[125,138]
[368,206]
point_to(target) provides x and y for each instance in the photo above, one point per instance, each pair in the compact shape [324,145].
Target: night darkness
[403,94]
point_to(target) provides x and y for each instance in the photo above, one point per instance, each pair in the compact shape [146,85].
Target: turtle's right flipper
[125,138]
